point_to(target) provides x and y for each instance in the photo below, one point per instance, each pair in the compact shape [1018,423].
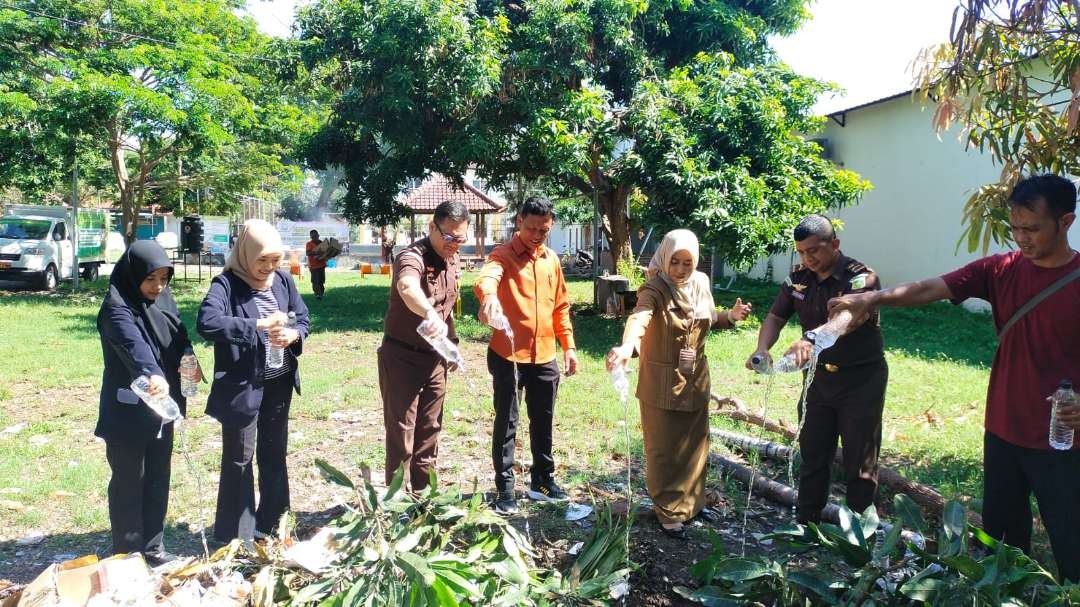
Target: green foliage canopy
[680,101]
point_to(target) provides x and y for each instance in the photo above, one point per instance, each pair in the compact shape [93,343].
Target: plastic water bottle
[760,363]
[620,381]
[1061,436]
[786,364]
[276,358]
[189,369]
[441,342]
[501,323]
[163,404]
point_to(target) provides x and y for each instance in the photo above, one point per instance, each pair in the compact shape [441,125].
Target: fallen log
[782,494]
[922,495]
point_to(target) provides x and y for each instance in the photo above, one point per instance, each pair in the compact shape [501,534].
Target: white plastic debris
[619,589]
[316,554]
[576,512]
[576,548]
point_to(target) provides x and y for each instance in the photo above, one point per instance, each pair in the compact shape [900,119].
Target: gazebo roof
[437,188]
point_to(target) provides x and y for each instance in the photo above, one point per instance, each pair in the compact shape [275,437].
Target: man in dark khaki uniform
[412,376]
[847,395]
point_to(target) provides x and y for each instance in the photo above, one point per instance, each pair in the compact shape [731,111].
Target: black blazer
[126,351]
[227,317]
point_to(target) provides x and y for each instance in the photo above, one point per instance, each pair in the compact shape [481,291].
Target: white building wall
[908,226]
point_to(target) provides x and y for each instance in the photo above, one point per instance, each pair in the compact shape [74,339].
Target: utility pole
[75,219]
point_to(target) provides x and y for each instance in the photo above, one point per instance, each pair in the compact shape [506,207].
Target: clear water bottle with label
[1061,436]
[162,404]
[189,371]
[276,358]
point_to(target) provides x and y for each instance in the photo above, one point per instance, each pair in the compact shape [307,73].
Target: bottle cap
[1066,384]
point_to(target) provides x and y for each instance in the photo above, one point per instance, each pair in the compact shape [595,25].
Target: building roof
[437,188]
[867,104]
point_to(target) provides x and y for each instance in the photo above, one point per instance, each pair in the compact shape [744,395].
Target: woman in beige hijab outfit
[668,328]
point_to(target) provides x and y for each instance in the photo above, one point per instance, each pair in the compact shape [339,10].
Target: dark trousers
[541,384]
[1010,475]
[318,281]
[849,408]
[265,439]
[413,387]
[139,492]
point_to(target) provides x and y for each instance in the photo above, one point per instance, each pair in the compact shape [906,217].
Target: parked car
[36,244]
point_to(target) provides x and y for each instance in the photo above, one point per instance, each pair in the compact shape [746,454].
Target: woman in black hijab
[141,334]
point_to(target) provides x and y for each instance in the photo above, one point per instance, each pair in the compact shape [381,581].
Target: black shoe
[505,503]
[156,559]
[547,492]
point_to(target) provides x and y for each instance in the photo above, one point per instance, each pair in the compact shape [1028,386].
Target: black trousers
[541,384]
[847,408]
[265,439]
[318,280]
[139,492]
[1010,475]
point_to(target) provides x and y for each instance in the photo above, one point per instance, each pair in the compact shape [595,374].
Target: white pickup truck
[36,243]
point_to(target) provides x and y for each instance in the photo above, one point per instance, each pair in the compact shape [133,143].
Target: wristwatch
[810,336]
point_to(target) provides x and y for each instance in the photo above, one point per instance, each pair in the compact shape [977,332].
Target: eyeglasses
[450,238]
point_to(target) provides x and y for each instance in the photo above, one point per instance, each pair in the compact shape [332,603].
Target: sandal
[678,533]
[708,515]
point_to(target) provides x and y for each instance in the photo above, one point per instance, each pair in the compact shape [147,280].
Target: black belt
[407,346]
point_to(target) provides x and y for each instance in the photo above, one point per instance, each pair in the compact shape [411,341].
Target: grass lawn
[53,473]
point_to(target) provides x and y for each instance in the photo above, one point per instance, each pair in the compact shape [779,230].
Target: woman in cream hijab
[245,315]
[668,328]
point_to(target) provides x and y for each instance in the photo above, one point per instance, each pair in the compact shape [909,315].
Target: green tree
[678,102]
[171,94]
[1010,76]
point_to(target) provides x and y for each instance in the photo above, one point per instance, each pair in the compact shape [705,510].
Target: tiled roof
[438,188]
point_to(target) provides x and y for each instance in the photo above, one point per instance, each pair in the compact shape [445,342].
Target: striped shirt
[268,304]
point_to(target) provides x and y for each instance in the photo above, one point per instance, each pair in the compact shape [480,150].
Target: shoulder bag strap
[1034,301]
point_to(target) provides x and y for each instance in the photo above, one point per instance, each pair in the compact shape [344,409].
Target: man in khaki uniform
[412,376]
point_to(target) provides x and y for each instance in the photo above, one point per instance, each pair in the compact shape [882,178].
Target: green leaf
[739,569]
[332,474]
[925,590]
[395,483]
[847,525]
[415,567]
[909,513]
[313,591]
[954,521]
[815,583]
[443,595]
[710,596]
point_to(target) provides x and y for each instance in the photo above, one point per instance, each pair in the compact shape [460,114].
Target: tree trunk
[615,224]
[129,217]
[780,493]
[328,181]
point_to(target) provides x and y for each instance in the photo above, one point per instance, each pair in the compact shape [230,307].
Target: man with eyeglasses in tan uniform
[412,376]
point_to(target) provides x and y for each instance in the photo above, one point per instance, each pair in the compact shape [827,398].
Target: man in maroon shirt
[1033,356]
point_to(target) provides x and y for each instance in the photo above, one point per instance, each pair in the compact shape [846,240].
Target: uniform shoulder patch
[859,282]
[856,267]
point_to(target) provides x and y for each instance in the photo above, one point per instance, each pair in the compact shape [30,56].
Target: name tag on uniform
[798,295]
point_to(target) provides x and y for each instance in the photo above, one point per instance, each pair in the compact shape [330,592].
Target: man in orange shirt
[316,265]
[522,280]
